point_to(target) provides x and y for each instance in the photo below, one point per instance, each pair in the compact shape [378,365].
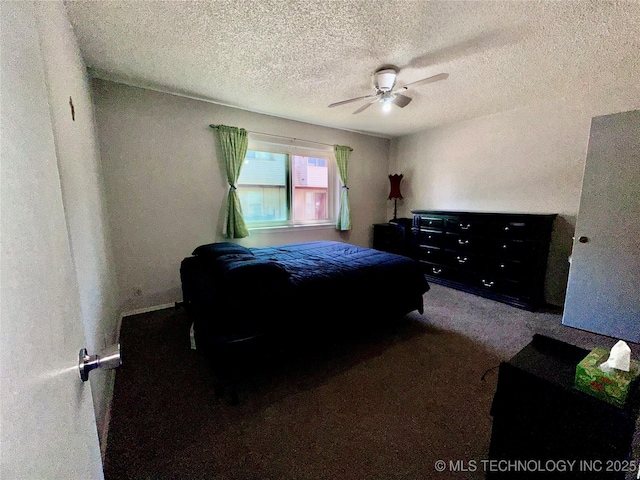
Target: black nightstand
[394,237]
[538,415]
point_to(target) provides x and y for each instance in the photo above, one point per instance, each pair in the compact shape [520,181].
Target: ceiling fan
[384,81]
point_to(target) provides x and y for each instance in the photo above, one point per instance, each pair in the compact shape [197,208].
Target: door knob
[583,239]
[106,360]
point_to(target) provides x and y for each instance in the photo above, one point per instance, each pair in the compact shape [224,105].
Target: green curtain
[342,159]
[233,142]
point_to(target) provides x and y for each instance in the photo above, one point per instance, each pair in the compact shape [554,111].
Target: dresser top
[487,214]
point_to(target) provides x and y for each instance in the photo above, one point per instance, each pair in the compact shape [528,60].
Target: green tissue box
[611,387]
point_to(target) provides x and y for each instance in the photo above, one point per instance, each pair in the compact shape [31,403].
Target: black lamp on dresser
[502,256]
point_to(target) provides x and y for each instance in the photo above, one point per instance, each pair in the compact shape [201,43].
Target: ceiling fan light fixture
[385,79]
[387,97]
[386,100]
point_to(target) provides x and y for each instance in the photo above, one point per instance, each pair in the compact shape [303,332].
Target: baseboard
[146,310]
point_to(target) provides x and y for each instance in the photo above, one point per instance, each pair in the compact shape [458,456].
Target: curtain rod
[282,136]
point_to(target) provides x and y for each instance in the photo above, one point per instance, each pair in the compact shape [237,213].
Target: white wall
[48,425]
[82,191]
[526,160]
[166,191]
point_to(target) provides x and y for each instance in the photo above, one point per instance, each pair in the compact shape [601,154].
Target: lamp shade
[395,186]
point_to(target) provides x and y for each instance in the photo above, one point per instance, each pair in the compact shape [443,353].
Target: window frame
[266,143]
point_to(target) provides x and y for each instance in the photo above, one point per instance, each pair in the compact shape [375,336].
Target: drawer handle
[462,260]
[463,242]
[503,266]
[488,284]
[505,246]
[506,229]
[436,271]
[465,227]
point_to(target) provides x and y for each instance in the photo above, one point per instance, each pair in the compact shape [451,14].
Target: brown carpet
[380,404]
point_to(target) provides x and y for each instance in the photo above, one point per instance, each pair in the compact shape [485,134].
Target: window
[280,185]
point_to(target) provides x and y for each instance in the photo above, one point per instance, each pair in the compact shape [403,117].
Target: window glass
[310,188]
[262,187]
[285,189]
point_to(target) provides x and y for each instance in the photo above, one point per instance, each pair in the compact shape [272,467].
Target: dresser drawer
[512,249]
[468,226]
[463,243]
[428,222]
[428,253]
[481,265]
[521,229]
[499,285]
[428,237]
[463,260]
[440,271]
[514,270]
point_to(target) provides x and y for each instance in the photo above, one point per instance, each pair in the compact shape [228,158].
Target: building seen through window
[279,188]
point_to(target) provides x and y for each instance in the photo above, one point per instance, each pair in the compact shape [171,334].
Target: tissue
[608,375]
[619,358]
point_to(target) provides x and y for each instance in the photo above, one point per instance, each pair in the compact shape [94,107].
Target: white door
[48,424]
[603,293]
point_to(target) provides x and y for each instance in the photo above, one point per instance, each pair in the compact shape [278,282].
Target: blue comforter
[333,266]
[232,290]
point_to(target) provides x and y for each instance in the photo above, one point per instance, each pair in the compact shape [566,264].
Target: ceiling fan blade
[344,102]
[401,100]
[435,78]
[365,106]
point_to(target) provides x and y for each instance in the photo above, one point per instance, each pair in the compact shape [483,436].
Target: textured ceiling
[293,58]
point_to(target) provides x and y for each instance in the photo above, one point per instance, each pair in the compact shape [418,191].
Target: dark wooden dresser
[502,256]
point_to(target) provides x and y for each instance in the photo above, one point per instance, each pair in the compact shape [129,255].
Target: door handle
[583,239]
[106,360]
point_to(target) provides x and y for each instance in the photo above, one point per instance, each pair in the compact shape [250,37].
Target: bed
[235,295]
